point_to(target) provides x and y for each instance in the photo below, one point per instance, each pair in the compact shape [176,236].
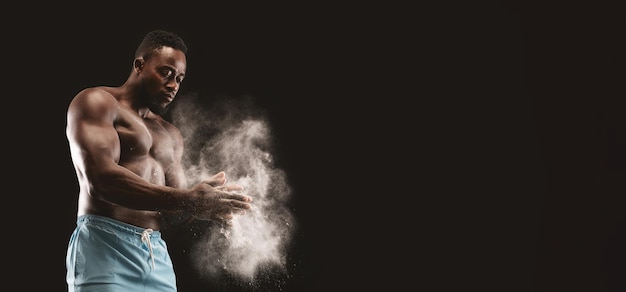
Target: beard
[159,108]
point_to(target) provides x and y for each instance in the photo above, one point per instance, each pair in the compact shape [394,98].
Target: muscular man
[128,164]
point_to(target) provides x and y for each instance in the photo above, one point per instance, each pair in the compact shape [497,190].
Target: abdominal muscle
[140,218]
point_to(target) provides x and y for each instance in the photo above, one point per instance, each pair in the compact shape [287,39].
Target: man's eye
[167,73]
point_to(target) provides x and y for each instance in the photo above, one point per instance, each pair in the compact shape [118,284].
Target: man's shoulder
[96,91]
[97,98]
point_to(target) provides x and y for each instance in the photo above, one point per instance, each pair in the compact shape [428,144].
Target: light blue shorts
[104,254]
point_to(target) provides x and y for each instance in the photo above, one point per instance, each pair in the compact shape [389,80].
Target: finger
[217,179]
[240,197]
[239,205]
[233,196]
[220,175]
[230,188]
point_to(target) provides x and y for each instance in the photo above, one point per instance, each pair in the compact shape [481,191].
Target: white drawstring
[145,237]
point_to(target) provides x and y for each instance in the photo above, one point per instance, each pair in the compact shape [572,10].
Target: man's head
[160,61]
[156,39]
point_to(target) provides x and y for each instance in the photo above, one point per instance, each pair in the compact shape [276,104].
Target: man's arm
[95,148]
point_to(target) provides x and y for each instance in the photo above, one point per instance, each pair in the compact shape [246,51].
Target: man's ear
[138,64]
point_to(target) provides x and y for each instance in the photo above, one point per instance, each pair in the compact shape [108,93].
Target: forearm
[121,186]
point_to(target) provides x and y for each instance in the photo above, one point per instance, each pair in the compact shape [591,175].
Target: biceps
[93,144]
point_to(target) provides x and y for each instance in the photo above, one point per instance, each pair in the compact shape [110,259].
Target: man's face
[163,74]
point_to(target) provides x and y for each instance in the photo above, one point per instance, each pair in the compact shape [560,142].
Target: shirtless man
[128,164]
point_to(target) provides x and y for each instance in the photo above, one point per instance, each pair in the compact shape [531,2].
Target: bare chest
[146,146]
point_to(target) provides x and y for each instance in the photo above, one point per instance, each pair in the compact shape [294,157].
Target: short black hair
[159,38]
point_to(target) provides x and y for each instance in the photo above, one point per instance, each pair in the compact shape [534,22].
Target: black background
[473,146]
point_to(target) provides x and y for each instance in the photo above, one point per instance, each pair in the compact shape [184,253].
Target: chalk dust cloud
[233,135]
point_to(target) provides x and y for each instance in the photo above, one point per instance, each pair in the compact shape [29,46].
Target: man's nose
[172,85]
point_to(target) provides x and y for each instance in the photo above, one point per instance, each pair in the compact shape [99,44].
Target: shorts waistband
[116,224]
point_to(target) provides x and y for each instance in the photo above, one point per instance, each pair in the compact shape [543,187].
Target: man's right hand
[212,199]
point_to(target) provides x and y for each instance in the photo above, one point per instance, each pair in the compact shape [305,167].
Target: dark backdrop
[473,146]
